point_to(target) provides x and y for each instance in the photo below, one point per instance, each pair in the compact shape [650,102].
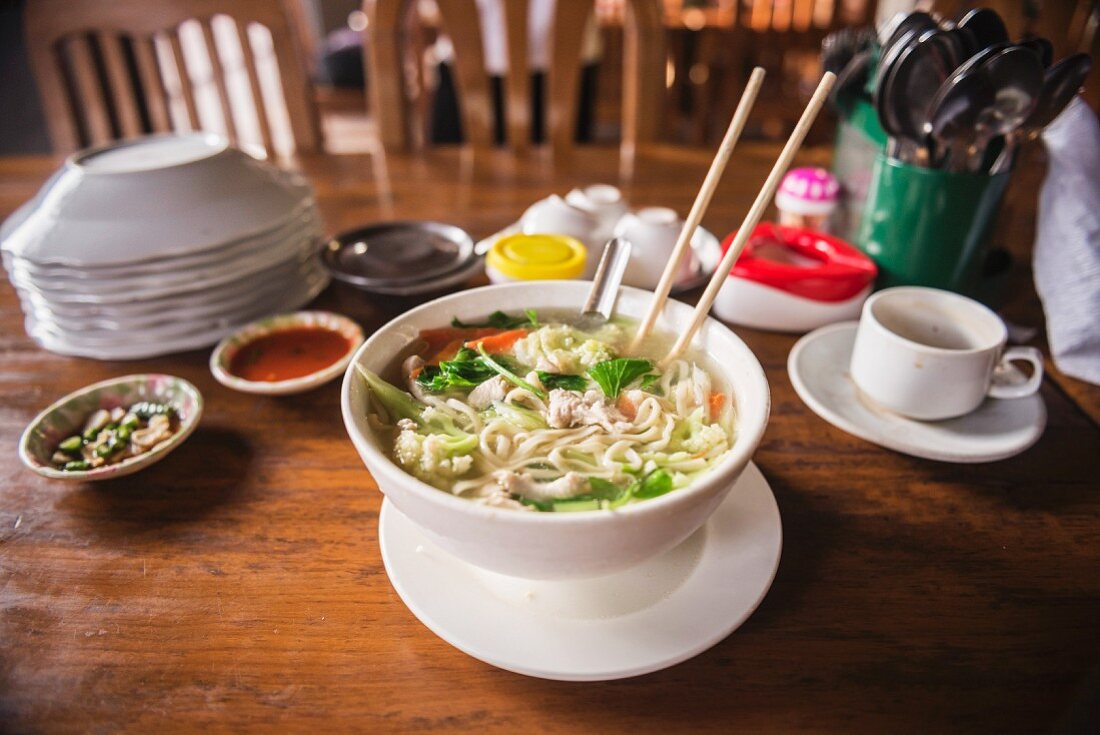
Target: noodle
[587,444]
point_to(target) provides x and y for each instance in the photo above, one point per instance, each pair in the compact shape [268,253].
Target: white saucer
[999,428]
[644,619]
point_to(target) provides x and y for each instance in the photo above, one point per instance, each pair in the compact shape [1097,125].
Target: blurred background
[691,72]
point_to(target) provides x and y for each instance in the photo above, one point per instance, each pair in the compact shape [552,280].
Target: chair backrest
[643,71]
[110,69]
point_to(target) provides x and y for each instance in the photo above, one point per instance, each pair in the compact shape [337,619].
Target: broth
[544,416]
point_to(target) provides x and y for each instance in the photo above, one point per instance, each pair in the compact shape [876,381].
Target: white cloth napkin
[1067,244]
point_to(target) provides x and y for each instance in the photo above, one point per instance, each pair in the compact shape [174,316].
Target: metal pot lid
[394,253]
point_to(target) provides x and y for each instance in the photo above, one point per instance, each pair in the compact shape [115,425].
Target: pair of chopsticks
[702,201]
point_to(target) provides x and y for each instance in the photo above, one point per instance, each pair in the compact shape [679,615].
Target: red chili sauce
[288,353]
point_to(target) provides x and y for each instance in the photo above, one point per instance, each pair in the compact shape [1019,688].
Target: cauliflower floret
[562,349]
[436,458]
[592,352]
[705,438]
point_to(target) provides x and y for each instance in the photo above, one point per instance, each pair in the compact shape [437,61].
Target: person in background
[445,123]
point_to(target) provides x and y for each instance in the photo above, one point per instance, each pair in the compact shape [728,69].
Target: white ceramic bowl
[67,416]
[548,545]
[151,197]
[223,354]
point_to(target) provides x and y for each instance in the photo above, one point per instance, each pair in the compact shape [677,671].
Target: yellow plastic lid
[537,257]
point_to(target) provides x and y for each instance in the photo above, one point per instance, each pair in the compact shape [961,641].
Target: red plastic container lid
[810,264]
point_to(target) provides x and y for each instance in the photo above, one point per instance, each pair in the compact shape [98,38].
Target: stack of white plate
[159,245]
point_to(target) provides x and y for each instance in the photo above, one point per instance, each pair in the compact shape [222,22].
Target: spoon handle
[609,276]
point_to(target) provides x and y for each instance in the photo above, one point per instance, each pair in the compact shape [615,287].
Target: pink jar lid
[808,191]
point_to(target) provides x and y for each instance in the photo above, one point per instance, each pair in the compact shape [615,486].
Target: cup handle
[1001,389]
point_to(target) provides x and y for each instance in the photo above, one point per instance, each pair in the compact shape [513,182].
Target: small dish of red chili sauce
[286,354]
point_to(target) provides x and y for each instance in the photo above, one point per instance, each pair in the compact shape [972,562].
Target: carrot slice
[626,407]
[447,352]
[440,340]
[715,403]
[498,343]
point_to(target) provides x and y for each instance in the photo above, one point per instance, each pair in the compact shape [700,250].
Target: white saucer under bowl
[998,429]
[648,618]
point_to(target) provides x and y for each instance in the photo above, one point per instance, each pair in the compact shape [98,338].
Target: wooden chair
[643,72]
[729,37]
[118,69]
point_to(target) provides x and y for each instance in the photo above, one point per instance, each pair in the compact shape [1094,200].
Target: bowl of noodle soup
[468,514]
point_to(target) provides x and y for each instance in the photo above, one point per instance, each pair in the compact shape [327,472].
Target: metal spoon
[986,25]
[1017,76]
[1061,83]
[912,81]
[1042,47]
[850,82]
[600,303]
[954,109]
[917,23]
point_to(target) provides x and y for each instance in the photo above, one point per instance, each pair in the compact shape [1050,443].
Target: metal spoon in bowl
[600,303]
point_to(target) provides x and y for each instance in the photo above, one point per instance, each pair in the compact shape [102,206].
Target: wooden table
[238,586]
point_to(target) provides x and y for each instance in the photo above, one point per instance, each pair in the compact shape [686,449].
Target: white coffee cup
[555,216]
[930,354]
[652,233]
[606,202]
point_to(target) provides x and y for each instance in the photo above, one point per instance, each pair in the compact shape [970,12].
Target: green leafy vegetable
[614,375]
[525,418]
[508,374]
[604,488]
[466,370]
[402,405]
[649,380]
[605,494]
[571,505]
[539,505]
[654,484]
[565,382]
[398,403]
[500,320]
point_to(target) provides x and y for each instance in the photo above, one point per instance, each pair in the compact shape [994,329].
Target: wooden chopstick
[699,208]
[753,216]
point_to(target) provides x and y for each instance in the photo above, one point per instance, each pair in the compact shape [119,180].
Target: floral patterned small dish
[347,335]
[66,417]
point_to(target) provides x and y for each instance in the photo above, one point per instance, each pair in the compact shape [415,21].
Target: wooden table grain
[238,586]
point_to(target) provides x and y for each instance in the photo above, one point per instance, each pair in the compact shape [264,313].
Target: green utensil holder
[927,227]
[859,140]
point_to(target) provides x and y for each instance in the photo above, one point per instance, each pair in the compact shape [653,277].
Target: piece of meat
[521,483]
[503,500]
[569,408]
[493,389]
